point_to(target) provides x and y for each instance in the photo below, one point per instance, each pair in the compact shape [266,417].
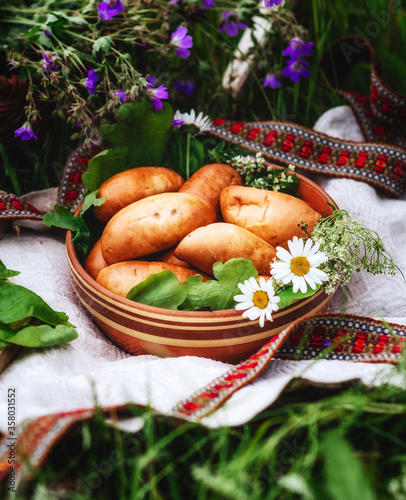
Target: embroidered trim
[382,165]
[11,207]
[326,336]
[72,189]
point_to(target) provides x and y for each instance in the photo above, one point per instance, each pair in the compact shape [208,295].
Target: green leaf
[140,134]
[38,336]
[160,290]
[18,303]
[345,477]
[287,296]
[218,295]
[64,218]
[231,273]
[6,273]
[89,200]
[201,295]
[102,44]
[103,166]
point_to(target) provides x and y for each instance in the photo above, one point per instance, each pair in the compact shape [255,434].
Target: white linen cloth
[91,368]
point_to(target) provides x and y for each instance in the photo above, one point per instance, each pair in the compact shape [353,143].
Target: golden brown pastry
[152,224]
[209,181]
[121,277]
[271,215]
[132,185]
[220,242]
[95,261]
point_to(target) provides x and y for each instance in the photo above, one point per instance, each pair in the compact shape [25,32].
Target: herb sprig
[350,246]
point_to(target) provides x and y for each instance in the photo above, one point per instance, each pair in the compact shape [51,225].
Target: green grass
[345,443]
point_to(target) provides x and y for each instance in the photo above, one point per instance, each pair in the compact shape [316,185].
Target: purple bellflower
[272,3]
[271,80]
[182,42]
[110,8]
[185,87]
[121,95]
[208,4]
[49,63]
[25,132]
[231,23]
[295,69]
[151,79]
[157,94]
[298,48]
[91,80]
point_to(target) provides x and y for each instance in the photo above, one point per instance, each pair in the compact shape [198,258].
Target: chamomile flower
[300,264]
[258,300]
[201,122]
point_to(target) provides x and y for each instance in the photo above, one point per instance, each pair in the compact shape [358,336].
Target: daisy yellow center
[260,299]
[300,266]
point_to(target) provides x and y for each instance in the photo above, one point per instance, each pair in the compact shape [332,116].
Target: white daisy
[258,299]
[200,121]
[299,266]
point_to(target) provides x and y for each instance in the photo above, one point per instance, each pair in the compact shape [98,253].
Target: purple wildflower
[25,132]
[110,8]
[49,63]
[182,42]
[151,80]
[178,123]
[208,4]
[298,48]
[157,94]
[91,80]
[121,95]
[296,69]
[272,3]
[47,33]
[185,87]
[231,24]
[271,80]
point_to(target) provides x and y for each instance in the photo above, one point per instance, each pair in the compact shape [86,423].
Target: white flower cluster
[255,173]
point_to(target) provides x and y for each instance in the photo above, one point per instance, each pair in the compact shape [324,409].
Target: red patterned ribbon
[325,336]
[12,207]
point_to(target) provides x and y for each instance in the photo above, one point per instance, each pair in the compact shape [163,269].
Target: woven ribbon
[380,161]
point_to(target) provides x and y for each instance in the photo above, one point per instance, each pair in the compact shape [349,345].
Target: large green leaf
[160,290]
[218,294]
[103,166]
[6,273]
[140,134]
[38,336]
[63,218]
[18,303]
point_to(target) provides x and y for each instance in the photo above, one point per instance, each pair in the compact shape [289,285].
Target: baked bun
[153,224]
[273,216]
[121,277]
[220,242]
[132,185]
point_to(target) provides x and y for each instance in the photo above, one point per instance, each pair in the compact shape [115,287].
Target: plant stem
[188,155]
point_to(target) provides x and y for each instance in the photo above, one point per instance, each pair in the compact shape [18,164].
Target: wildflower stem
[188,155]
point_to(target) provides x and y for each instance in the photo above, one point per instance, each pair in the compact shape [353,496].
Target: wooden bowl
[220,335]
